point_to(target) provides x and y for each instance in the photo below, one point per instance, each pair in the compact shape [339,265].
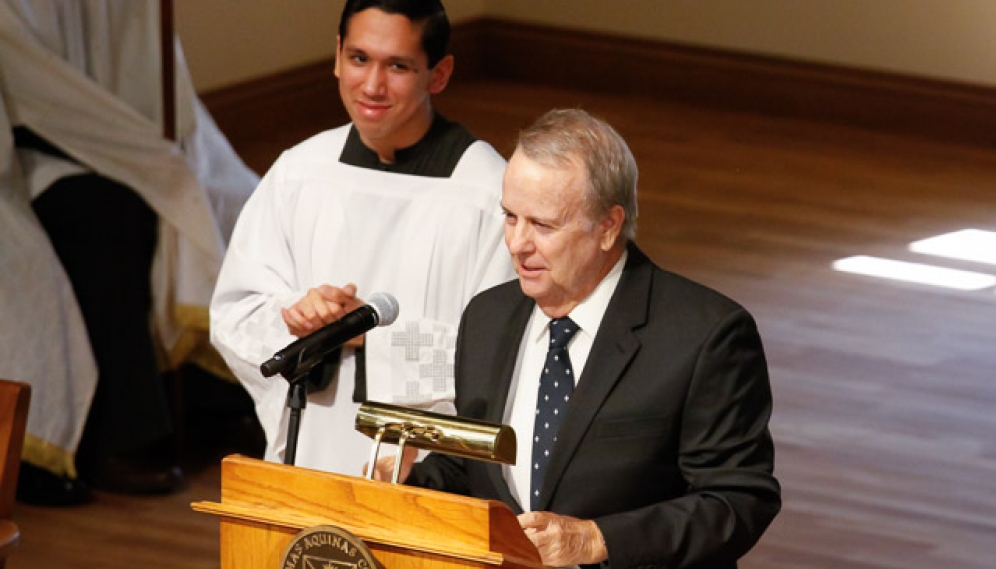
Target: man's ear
[338,54]
[611,226]
[440,75]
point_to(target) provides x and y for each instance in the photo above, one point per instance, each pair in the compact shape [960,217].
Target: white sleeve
[481,161]
[256,280]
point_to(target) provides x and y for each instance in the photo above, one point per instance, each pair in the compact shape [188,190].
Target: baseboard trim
[502,50]
[295,96]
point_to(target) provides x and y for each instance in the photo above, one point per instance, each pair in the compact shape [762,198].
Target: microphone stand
[298,361]
[297,399]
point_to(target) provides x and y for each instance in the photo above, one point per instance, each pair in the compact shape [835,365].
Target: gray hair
[572,136]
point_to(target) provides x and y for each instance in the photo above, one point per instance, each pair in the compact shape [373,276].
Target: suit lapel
[614,347]
[501,380]
[508,350]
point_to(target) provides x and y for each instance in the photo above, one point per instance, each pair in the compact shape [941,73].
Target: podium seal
[327,547]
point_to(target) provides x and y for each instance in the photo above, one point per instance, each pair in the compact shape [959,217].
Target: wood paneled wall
[506,51]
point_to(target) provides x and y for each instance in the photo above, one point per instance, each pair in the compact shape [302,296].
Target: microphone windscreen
[386,307]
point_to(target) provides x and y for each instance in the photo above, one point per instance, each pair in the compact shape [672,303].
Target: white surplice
[85,76]
[431,242]
[43,340]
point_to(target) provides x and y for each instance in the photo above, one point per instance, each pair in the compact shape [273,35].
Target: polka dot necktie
[555,388]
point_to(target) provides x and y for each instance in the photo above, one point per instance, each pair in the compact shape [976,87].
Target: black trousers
[105,236]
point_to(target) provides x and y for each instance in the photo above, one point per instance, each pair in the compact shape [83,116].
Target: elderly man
[643,420]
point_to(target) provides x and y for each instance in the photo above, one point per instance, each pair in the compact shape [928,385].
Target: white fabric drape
[85,76]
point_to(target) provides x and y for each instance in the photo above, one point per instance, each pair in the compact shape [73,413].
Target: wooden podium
[264,505]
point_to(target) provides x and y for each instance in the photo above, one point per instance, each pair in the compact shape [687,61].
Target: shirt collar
[437,155]
[588,314]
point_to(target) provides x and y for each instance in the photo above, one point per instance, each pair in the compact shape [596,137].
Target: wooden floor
[885,394]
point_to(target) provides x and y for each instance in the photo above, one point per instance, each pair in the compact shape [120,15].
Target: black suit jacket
[665,444]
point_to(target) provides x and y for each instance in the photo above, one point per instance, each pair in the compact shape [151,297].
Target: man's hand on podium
[384,468]
[563,541]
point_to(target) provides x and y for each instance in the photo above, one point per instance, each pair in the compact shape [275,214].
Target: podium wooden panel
[264,505]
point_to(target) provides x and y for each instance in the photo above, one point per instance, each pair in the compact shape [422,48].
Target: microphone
[304,353]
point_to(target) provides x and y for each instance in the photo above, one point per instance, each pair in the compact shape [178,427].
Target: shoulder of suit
[673,291]
[698,305]
[498,297]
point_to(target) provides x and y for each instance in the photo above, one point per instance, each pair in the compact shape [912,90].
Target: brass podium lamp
[468,438]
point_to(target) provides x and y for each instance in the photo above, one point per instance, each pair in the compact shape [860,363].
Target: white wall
[228,41]
[943,39]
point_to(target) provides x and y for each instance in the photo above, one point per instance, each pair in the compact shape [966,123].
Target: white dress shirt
[520,410]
